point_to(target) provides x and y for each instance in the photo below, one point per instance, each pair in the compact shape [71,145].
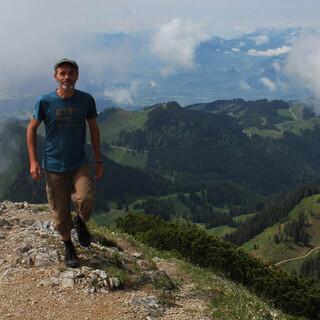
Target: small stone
[67,274]
[3,207]
[24,248]
[92,290]
[137,255]
[42,260]
[8,272]
[104,291]
[102,274]
[114,283]
[55,281]
[105,283]
[156,259]
[27,261]
[54,255]
[67,283]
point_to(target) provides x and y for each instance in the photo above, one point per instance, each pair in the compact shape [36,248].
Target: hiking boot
[70,258]
[84,236]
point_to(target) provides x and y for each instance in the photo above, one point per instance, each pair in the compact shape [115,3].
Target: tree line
[271,214]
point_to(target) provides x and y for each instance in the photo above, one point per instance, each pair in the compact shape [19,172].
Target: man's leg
[58,188]
[83,198]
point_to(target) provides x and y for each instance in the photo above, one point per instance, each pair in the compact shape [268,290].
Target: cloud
[244,85]
[167,71]
[261,39]
[40,34]
[276,65]
[268,83]
[119,95]
[175,44]
[122,95]
[153,84]
[270,52]
[303,63]
[235,49]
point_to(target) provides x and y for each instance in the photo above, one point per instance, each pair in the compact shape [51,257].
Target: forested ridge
[261,113]
[271,214]
[212,146]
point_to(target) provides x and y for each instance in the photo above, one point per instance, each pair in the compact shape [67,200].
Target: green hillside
[126,156]
[264,118]
[112,121]
[212,145]
[220,231]
[265,247]
[293,120]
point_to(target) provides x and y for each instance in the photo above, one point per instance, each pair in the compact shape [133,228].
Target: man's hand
[35,170]
[98,166]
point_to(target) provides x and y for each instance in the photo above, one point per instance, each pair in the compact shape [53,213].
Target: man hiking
[65,112]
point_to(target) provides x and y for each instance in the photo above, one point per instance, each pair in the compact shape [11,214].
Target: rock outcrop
[113,282]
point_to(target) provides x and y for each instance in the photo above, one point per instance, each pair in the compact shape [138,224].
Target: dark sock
[68,244]
[77,218]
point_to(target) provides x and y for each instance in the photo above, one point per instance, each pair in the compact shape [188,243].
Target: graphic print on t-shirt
[64,117]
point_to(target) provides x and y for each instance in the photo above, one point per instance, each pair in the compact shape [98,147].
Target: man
[65,112]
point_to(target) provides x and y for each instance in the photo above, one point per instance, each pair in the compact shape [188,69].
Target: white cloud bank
[119,95]
[270,52]
[303,63]
[261,39]
[42,32]
[244,85]
[269,84]
[175,44]
[276,65]
[122,95]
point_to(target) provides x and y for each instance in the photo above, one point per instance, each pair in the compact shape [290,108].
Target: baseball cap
[65,60]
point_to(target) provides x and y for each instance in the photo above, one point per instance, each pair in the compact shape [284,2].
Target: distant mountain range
[251,66]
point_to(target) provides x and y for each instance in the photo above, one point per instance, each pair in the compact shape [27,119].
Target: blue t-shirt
[65,124]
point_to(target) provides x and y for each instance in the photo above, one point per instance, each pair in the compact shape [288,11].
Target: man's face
[66,76]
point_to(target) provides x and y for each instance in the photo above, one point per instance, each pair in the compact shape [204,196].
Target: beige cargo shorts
[62,188]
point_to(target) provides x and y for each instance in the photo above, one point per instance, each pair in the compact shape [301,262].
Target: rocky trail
[115,280]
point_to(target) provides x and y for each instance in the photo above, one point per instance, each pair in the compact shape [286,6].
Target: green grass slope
[295,122]
[112,121]
[127,157]
[264,246]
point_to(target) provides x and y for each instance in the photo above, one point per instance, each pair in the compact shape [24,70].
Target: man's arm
[35,169]
[95,142]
